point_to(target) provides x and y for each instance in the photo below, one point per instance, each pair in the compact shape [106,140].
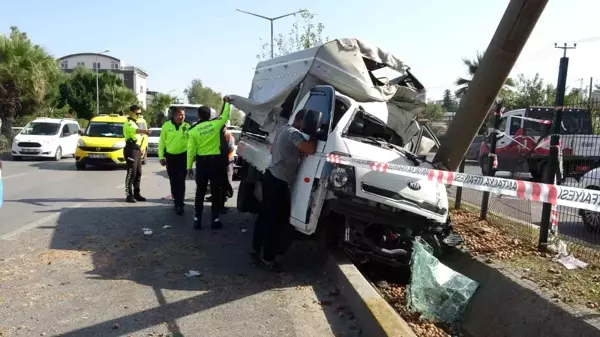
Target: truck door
[508,145]
[320,98]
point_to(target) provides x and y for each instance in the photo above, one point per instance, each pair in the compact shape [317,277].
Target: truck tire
[328,237]
[591,219]
[482,163]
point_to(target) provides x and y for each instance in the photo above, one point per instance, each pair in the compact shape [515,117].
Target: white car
[46,137]
[153,141]
[591,219]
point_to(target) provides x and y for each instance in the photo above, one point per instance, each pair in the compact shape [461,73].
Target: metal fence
[580,144]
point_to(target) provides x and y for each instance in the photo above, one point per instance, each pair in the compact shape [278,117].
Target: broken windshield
[368,128]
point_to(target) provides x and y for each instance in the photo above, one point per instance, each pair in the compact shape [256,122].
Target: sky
[178,40]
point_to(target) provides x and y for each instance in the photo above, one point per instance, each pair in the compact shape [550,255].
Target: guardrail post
[549,175]
[489,167]
[458,198]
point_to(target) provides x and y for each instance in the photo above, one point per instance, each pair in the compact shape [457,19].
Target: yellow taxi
[102,142]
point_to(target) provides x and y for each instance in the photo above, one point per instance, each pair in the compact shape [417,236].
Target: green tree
[198,93]
[472,66]
[448,102]
[79,91]
[578,96]
[530,92]
[433,112]
[305,33]
[26,70]
[117,99]
[156,110]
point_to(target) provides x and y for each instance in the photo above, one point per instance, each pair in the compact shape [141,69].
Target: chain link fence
[522,155]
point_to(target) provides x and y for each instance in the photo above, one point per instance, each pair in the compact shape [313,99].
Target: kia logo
[414,186]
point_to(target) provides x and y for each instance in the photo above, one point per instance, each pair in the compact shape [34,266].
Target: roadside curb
[375,315]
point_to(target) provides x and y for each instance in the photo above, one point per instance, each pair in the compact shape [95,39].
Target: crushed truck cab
[368,103]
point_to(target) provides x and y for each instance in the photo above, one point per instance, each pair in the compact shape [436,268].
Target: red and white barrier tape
[541,121]
[554,219]
[526,190]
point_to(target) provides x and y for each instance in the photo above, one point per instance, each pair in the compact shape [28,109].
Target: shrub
[4,145]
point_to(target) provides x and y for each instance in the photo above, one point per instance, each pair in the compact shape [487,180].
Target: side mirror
[311,122]
[66,134]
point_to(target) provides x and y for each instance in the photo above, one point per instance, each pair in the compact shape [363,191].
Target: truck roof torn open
[353,67]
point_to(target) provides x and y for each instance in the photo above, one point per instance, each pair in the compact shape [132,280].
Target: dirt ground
[93,272]
[499,245]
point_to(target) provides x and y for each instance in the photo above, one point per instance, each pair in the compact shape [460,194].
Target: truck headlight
[119,145]
[80,143]
[342,178]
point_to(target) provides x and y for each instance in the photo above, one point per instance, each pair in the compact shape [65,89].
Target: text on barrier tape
[526,190]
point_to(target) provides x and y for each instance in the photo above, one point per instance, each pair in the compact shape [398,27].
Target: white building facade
[134,78]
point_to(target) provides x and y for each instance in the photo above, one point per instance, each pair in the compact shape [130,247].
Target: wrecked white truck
[368,101]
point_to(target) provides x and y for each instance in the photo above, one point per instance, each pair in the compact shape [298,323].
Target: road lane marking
[14,176]
[39,222]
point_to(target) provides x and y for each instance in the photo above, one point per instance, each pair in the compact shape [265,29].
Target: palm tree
[160,104]
[472,66]
[117,99]
[26,70]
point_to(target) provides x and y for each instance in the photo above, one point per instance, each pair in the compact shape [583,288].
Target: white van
[46,137]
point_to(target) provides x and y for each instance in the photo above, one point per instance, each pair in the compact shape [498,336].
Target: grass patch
[578,286]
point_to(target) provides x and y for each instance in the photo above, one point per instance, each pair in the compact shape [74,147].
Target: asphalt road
[37,190]
[75,261]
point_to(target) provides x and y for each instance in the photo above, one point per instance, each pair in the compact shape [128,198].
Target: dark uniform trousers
[209,168]
[176,169]
[133,159]
[272,229]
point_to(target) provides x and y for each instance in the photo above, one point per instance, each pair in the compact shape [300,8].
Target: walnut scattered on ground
[395,294]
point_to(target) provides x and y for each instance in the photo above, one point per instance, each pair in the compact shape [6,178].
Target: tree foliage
[117,99]
[155,114]
[26,71]
[433,112]
[79,91]
[448,101]
[305,33]
[198,93]
[472,66]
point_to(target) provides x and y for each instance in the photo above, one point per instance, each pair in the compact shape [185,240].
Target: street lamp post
[272,20]
[97,87]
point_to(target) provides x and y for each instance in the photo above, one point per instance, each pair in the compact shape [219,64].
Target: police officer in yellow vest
[204,147]
[172,152]
[133,154]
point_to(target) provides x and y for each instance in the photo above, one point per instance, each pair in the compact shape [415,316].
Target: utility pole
[97,66]
[590,90]
[500,56]
[549,176]
[270,19]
